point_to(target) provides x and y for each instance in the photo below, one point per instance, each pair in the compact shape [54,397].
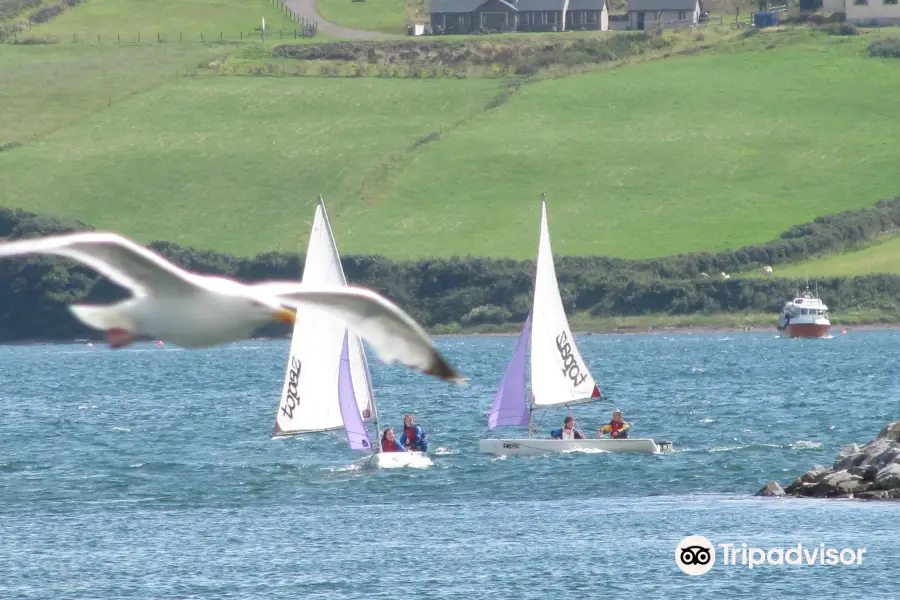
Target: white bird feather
[196,311]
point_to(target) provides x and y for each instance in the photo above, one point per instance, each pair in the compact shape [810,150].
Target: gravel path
[307,10]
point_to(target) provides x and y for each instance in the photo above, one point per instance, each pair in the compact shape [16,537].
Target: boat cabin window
[804,311]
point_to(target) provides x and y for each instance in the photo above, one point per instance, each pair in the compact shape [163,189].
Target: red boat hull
[808,330]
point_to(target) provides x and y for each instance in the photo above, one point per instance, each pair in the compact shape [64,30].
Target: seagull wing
[391,332]
[128,264]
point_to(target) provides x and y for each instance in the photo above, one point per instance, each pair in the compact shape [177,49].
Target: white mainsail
[309,397]
[558,373]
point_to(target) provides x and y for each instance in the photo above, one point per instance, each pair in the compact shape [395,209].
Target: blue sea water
[150,472]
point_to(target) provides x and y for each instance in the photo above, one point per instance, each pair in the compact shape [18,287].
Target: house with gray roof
[490,16]
[643,14]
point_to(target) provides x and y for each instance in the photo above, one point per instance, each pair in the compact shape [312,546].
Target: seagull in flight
[199,311]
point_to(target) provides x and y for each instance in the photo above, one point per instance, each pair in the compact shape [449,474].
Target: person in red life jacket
[617,428]
[389,443]
[414,437]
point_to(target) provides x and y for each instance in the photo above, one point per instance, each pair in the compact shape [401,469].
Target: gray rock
[848,456]
[888,478]
[771,489]
[844,482]
[890,432]
[874,449]
[814,475]
[869,472]
[873,495]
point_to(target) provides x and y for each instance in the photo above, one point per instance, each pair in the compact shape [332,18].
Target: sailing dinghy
[559,376]
[327,386]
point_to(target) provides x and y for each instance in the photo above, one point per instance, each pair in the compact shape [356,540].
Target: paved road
[307,10]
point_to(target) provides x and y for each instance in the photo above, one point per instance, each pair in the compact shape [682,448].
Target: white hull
[394,460]
[536,447]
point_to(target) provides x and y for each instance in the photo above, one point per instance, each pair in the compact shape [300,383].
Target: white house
[663,13]
[881,12]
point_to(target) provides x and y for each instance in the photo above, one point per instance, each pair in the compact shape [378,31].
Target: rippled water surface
[151,473]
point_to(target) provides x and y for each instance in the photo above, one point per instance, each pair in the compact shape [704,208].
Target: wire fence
[304,30]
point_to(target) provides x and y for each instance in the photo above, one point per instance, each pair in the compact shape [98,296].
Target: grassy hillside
[54,86]
[700,152]
[883,256]
[169,17]
[237,162]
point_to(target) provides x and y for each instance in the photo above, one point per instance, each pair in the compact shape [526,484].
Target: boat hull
[394,460]
[536,446]
[808,330]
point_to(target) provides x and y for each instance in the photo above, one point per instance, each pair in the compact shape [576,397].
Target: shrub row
[34,292]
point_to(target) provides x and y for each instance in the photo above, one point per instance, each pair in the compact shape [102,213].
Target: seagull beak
[286,315]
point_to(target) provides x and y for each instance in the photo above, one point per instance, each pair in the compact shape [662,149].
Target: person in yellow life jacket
[617,428]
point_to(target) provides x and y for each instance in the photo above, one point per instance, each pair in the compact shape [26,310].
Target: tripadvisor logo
[696,555]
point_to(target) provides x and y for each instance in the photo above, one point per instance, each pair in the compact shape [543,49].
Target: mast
[362,350]
[530,336]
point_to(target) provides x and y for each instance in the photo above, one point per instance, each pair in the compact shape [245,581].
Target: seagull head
[272,310]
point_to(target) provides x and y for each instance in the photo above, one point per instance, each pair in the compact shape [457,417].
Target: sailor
[389,443]
[617,428]
[570,431]
[414,437]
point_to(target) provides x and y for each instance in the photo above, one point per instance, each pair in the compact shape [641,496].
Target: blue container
[765,19]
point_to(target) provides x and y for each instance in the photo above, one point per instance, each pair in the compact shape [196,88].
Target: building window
[523,18]
[682,16]
[591,16]
[860,2]
[890,1]
[658,15]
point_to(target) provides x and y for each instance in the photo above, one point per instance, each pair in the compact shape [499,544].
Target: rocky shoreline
[870,472]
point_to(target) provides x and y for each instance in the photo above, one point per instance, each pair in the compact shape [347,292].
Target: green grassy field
[170,18]
[234,163]
[701,152]
[708,152]
[882,256]
[389,16]
[50,87]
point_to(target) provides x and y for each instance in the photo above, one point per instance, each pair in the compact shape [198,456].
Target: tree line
[35,291]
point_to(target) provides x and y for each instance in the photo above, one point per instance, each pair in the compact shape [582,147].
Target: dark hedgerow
[35,292]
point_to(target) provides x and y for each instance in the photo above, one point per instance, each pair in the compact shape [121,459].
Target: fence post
[118,39]
[139,38]
[180,37]
[221,36]
[201,36]
[158,38]
[98,39]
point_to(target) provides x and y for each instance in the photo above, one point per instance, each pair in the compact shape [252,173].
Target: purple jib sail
[510,408]
[357,436]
